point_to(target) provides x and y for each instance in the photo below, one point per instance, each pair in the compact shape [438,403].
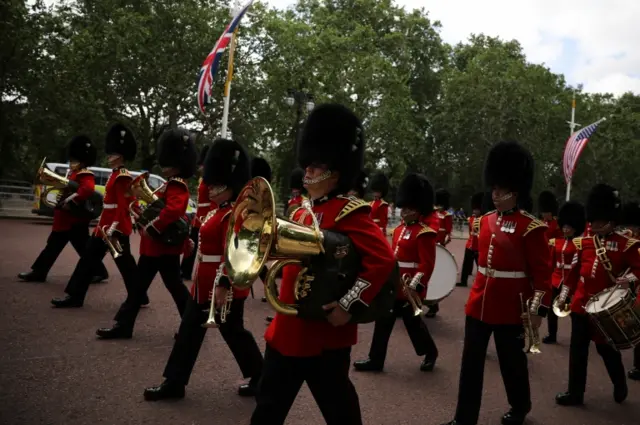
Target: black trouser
[581,332]
[552,319]
[467,265]
[78,235]
[185,351]
[513,367]
[148,267]
[91,261]
[186,268]
[418,332]
[327,377]
[636,357]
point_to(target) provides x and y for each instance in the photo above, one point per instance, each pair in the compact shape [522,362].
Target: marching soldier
[605,247]
[513,265]
[572,222]
[177,158]
[114,226]
[297,191]
[443,198]
[379,207]
[360,185]
[331,150]
[204,206]
[631,216]
[414,245]
[471,248]
[226,171]
[548,209]
[70,224]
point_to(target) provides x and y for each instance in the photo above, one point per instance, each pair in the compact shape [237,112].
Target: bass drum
[443,279]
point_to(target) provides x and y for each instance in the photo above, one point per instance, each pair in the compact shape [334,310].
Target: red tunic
[116,202]
[414,246]
[380,214]
[446,227]
[176,197]
[564,272]
[204,204]
[292,336]
[472,241]
[513,258]
[63,219]
[553,229]
[293,203]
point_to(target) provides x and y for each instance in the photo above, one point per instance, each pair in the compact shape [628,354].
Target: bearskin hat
[509,165]
[260,168]
[296,179]
[360,184]
[526,203]
[81,149]
[380,183]
[443,198]
[476,201]
[333,136]
[121,141]
[415,191]
[547,203]
[572,214]
[604,204]
[227,164]
[631,214]
[202,155]
[176,148]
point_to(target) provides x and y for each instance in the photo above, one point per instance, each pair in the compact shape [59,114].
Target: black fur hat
[604,204]
[227,164]
[415,191]
[203,154]
[476,201]
[296,179]
[509,165]
[176,148]
[360,184]
[380,183]
[526,203]
[81,149]
[261,168]
[572,214]
[121,141]
[333,136]
[631,214]
[547,203]
[443,198]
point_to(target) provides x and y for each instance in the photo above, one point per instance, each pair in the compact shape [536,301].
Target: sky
[591,42]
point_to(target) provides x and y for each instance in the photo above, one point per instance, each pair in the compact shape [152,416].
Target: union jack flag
[210,65]
[574,147]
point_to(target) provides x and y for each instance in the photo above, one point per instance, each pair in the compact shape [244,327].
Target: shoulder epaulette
[200,181]
[630,242]
[293,213]
[85,171]
[123,172]
[489,213]
[476,224]
[552,242]
[353,204]
[535,223]
[179,180]
[578,243]
[229,211]
[425,229]
[383,202]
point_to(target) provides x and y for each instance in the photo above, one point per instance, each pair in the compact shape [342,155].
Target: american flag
[574,147]
[210,65]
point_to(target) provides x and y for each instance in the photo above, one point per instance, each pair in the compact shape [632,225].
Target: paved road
[55,372]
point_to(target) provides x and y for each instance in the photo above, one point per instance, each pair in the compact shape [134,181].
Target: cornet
[562,299]
[414,299]
[531,334]
[226,307]
[114,248]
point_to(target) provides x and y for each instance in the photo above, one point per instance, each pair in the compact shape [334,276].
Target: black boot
[514,417]
[620,392]
[549,339]
[367,366]
[569,399]
[428,364]
[166,390]
[264,299]
[67,302]
[634,374]
[249,389]
[118,331]
[99,278]
[461,284]
[32,276]
[269,319]
[433,310]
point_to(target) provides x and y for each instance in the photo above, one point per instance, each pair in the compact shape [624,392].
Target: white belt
[210,258]
[442,230]
[408,265]
[109,206]
[206,204]
[501,274]
[563,266]
[376,220]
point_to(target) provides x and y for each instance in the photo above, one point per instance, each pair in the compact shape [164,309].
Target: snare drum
[615,313]
[443,279]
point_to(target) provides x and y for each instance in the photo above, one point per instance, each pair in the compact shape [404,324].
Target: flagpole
[572,126]
[227,85]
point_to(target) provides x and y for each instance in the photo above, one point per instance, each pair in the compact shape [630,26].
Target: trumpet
[531,334]
[226,307]
[114,246]
[414,299]
[560,300]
